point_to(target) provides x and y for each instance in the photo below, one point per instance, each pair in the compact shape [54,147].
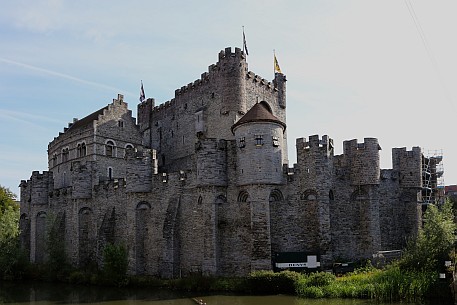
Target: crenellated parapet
[82,179]
[35,191]
[314,143]
[228,62]
[408,165]
[109,188]
[141,166]
[363,161]
[315,163]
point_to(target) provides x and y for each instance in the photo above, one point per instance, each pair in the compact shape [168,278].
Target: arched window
[128,147]
[65,153]
[276,196]
[200,200]
[220,199]
[359,195]
[309,195]
[110,149]
[110,173]
[331,196]
[143,205]
[243,196]
[83,149]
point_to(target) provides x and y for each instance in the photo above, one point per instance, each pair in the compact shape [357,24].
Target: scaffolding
[432,177]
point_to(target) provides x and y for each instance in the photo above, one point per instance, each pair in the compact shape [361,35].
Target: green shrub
[320,279]
[269,282]
[311,292]
[115,265]
[79,277]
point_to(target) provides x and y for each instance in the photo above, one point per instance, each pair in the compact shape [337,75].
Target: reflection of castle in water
[202,184]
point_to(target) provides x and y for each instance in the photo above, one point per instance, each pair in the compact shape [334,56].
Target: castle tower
[363,161]
[363,167]
[315,174]
[259,137]
[34,209]
[233,67]
[144,110]
[408,166]
[280,84]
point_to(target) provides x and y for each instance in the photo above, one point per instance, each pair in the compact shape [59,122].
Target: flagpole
[242,42]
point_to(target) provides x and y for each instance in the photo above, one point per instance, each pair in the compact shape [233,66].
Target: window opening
[242,142]
[110,148]
[258,140]
[275,141]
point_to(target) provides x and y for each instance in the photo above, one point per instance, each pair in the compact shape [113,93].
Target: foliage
[391,284]
[115,265]
[269,282]
[434,242]
[13,261]
[9,216]
[7,199]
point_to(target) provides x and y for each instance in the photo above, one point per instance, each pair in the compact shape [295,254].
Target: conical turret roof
[258,113]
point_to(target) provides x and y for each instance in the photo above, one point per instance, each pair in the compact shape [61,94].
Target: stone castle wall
[187,197]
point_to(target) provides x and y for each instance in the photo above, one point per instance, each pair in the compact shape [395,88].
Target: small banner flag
[142,96]
[277,68]
[245,46]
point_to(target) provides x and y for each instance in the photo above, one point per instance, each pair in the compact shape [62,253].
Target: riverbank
[388,285]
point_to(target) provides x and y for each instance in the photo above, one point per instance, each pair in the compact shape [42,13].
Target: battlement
[314,142]
[226,58]
[403,152]
[227,53]
[261,81]
[367,144]
[36,175]
[110,186]
[408,164]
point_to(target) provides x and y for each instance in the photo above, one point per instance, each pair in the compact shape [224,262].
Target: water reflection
[50,294]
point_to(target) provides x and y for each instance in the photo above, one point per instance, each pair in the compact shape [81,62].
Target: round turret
[259,137]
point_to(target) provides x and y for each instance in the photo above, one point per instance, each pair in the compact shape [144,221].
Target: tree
[115,264]
[12,259]
[434,242]
[9,215]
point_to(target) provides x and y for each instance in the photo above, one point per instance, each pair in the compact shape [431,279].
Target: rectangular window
[241,142]
[275,141]
[258,140]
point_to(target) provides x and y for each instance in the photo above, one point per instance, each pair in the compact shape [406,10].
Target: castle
[202,184]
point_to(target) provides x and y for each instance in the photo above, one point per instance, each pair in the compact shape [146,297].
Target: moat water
[59,294]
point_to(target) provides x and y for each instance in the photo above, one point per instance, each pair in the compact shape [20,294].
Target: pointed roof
[258,113]
[88,119]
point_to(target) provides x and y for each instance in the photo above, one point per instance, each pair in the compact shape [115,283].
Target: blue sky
[355,69]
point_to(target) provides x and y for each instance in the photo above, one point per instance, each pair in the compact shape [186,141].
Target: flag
[277,68]
[142,96]
[245,47]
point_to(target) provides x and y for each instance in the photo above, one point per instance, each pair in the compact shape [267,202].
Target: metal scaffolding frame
[432,177]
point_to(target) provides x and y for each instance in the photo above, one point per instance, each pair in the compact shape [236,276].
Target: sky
[355,68]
